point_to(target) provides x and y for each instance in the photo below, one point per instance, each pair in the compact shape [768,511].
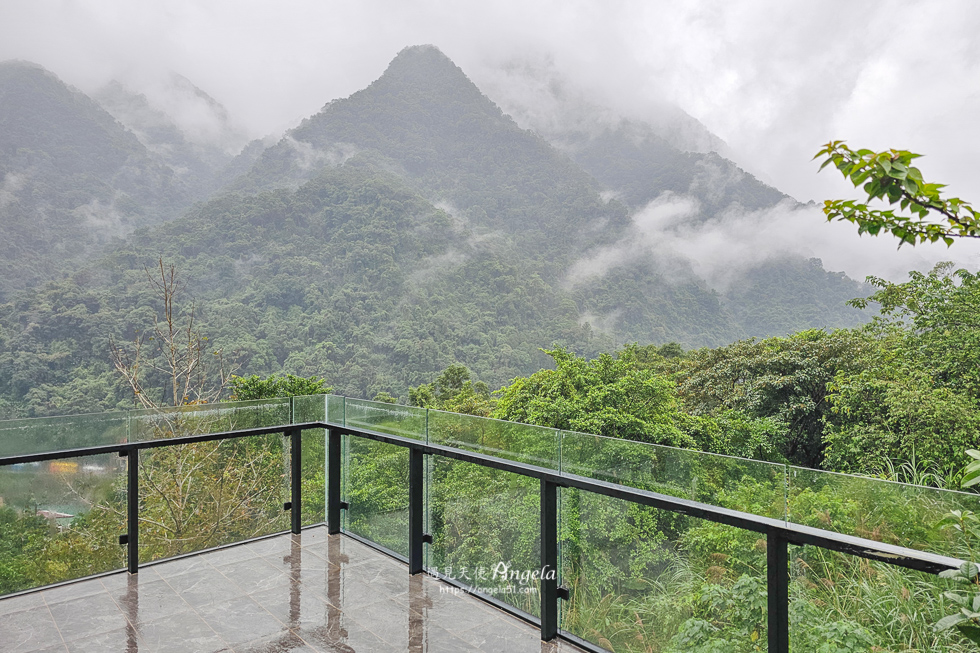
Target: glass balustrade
[638,578]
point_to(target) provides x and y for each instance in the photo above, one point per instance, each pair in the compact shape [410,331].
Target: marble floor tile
[87,616]
[185,632]
[240,620]
[122,640]
[29,630]
[288,594]
[255,575]
[203,586]
[287,642]
[229,555]
[73,591]
[20,603]
[122,579]
[147,602]
[167,568]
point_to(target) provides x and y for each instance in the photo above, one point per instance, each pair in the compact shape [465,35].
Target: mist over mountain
[541,99]
[196,146]
[426,122]
[636,166]
[72,178]
[409,226]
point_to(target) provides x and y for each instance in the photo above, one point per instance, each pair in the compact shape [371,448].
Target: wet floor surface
[303,593]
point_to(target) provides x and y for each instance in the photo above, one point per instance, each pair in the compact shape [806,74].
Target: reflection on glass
[313,470]
[836,598]
[377,493]
[406,421]
[44,434]
[202,495]
[751,486]
[534,445]
[485,525]
[336,406]
[884,511]
[155,424]
[61,520]
[643,579]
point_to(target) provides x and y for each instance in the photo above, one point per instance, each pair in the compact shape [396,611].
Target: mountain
[426,122]
[660,156]
[196,162]
[71,178]
[407,227]
[637,165]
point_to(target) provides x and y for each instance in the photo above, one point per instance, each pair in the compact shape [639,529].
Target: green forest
[410,248]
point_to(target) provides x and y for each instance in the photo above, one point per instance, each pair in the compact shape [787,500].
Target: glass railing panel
[485,525]
[336,407]
[840,602]
[206,494]
[534,445]
[313,467]
[46,434]
[309,408]
[406,421]
[643,579]
[376,480]
[752,486]
[880,510]
[61,520]
[376,474]
[171,422]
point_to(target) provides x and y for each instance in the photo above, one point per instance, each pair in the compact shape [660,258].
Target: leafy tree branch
[890,176]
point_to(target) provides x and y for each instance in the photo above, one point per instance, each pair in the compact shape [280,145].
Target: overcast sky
[774,79]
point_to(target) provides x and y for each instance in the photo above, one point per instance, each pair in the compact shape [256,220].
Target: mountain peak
[416,59]
[426,67]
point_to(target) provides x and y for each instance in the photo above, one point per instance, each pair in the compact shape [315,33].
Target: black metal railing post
[333,481]
[549,560]
[415,510]
[777,571]
[296,479]
[133,510]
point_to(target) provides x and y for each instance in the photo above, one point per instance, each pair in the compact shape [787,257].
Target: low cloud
[104,217]
[309,157]
[603,323]
[668,234]
[550,102]
[12,183]
[773,79]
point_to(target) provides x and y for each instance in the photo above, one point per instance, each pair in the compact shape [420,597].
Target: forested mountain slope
[633,161]
[71,178]
[407,227]
[196,159]
[426,122]
[352,276]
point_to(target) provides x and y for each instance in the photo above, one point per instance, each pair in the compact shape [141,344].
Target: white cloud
[774,79]
[667,233]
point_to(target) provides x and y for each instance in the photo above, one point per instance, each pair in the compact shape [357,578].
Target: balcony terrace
[306,592]
[286,525]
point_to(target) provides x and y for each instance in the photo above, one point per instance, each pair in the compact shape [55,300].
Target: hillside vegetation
[408,227]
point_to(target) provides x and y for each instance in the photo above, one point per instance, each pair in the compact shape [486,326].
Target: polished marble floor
[304,593]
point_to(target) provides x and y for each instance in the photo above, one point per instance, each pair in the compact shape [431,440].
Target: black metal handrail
[779,534]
